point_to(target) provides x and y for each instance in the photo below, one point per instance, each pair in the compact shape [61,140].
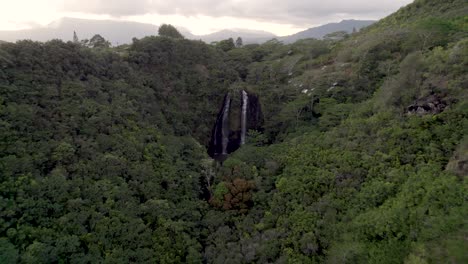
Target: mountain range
[122,32]
[320,31]
[248,36]
[117,32]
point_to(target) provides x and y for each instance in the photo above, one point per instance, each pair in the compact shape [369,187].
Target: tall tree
[226,45]
[239,42]
[97,41]
[75,37]
[168,30]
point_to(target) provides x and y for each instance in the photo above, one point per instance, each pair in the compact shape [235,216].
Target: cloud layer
[282,17]
[298,12]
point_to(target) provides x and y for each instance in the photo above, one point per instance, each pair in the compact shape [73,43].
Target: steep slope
[362,158]
[366,133]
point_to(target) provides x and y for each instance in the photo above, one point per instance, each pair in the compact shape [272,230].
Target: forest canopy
[362,156]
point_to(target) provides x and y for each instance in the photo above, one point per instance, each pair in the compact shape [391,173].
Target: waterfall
[235,117]
[245,102]
[225,125]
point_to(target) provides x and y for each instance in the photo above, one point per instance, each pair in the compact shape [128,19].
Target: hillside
[360,156]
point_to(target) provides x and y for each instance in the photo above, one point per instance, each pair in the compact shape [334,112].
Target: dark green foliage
[226,45]
[9,254]
[178,71]
[239,42]
[97,41]
[86,169]
[362,158]
[167,30]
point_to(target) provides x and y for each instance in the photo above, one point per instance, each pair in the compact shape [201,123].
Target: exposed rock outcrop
[432,104]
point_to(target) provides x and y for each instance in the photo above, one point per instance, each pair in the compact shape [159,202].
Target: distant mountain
[320,31]
[122,32]
[248,36]
[117,32]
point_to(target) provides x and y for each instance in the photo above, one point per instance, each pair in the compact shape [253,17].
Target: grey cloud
[299,12]
[110,7]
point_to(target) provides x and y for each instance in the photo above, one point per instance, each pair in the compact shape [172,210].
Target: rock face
[432,104]
[237,115]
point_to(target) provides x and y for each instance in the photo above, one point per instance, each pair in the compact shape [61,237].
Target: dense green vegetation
[363,157]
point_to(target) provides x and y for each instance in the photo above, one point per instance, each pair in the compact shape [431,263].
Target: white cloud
[201,16]
[15,14]
[299,12]
[200,24]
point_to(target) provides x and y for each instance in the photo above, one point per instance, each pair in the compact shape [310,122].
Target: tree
[97,41]
[8,252]
[239,42]
[84,42]
[75,37]
[167,30]
[226,45]
[433,32]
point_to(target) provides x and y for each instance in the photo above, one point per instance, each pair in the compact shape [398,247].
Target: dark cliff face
[432,104]
[254,113]
[238,114]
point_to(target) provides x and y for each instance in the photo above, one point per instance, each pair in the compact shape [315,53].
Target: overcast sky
[282,17]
